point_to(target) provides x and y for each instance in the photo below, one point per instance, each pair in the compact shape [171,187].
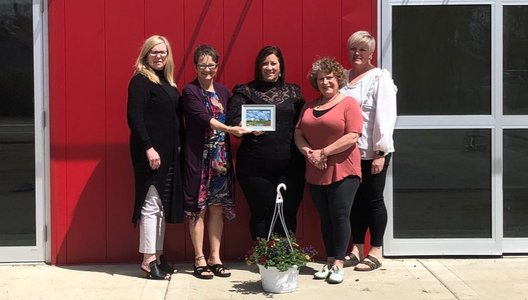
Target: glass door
[22,137]
[445,189]
[515,137]
[457,185]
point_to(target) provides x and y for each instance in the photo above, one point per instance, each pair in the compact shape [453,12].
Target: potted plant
[279,259]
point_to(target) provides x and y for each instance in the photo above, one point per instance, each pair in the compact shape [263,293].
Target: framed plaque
[258,117]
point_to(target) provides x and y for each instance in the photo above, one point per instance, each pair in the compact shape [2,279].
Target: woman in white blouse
[375,91]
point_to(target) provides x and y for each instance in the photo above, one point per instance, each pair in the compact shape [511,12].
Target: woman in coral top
[326,134]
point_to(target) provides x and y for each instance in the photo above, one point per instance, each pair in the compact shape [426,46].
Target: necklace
[327,101]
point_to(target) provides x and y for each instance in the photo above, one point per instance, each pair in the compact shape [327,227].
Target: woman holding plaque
[267,158]
[207,180]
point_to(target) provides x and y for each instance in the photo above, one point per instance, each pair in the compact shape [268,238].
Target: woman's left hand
[315,158]
[237,131]
[377,165]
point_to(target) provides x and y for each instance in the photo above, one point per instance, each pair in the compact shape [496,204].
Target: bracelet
[323,154]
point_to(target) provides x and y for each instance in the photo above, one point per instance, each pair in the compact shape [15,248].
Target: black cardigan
[154,121]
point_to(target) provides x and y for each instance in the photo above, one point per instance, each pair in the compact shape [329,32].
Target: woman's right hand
[153,158]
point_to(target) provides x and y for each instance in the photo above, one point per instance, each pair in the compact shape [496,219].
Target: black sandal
[352,260]
[219,270]
[155,272]
[164,265]
[198,272]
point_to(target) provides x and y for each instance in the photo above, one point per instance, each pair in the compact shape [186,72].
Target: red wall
[93,46]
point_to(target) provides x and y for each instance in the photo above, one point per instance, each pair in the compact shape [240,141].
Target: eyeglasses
[203,67]
[156,53]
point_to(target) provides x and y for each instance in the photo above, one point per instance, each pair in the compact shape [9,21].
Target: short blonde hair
[327,65]
[142,66]
[362,37]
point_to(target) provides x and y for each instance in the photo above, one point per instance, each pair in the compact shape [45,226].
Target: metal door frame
[40,252]
[496,122]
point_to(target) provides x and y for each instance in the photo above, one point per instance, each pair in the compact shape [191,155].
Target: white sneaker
[323,274]
[337,275]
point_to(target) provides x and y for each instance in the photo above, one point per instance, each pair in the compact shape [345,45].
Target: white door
[23,138]
[457,183]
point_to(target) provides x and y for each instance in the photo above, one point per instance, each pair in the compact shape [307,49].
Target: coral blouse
[343,118]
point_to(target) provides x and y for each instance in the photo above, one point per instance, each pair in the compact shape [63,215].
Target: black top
[272,145]
[153,117]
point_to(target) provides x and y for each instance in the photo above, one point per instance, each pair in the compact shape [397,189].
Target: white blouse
[376,94]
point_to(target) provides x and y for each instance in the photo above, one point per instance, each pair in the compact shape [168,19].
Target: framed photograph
[258,117]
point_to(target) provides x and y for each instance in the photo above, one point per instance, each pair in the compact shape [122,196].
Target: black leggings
[259,180]
[333,202]
[369,211]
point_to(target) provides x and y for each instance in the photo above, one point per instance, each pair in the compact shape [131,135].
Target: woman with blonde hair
[375,92]
[153,114]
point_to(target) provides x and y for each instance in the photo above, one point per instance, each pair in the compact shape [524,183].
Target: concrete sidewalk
[493,278]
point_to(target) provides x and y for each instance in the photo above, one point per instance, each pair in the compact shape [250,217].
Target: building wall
[93,46]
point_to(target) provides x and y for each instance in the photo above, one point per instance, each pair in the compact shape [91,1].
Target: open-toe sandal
[371,262]
[155,272]
[351,261]
[199,272]
[165,266]
[220,270]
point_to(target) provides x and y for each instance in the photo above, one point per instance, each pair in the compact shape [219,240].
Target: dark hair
[261,56]
[203,50]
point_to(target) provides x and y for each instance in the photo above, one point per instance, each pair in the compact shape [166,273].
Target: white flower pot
[274,281]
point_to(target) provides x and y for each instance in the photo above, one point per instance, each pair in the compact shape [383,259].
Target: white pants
[151,224]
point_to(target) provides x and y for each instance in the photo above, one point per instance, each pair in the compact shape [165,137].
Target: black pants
[333,203]
[369,211]
[259,180]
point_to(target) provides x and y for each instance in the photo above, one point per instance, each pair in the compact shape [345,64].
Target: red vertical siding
[123,38]
[86,130]
[58,209]
[242,40]
[93,46]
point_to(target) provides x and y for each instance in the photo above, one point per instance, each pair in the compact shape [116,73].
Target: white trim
[46,130]
[497,157]
[425,247]
[40,182]
[515,245]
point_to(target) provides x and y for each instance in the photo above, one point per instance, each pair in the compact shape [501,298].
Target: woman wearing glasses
[208,179]
[152,114]
[266,159]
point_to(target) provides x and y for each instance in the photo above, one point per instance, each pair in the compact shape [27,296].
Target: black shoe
[164,265]
[199,272]
[155,272]
[219,270]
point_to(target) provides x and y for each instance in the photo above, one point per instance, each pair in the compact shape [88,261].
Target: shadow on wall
[94,218]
